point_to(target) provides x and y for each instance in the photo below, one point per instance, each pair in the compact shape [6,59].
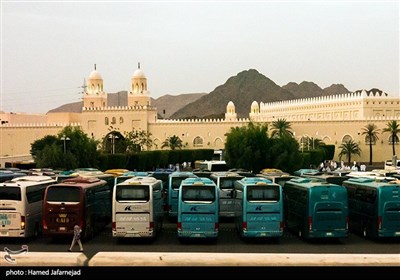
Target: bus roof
[225,174]
[197,181]
[310,183]
[33,178]
[83,182]
[368,182]
[139,181]
[255,180]
[25,181]
[182,174]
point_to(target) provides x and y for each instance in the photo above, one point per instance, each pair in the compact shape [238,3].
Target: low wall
[241,259]
[43,259]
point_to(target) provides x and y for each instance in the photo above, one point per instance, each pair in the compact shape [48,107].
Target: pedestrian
[77,238]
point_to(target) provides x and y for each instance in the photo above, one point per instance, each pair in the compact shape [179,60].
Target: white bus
[137,208]
[225,182]
[214,165]
[21,203]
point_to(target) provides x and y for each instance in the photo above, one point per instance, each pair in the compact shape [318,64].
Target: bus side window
[370,196]
[360,194]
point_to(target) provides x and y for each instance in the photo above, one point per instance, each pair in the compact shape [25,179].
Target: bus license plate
[329,234]
[196,235]
[3,233]
[62,229]
[397,233]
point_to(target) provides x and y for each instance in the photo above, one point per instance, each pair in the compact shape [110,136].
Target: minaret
[139,94]
[94,96]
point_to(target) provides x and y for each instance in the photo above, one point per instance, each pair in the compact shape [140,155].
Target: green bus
[374,207]
[316,209]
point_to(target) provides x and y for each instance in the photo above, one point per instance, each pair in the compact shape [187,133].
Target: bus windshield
[128,193]
[195,193]
[263,193]
[63,194]
[228,183]
[176,182]
[8,193]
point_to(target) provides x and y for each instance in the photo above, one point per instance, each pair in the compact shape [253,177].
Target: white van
[389,165]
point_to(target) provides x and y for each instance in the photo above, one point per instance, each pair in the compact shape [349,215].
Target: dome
[94,75]
[254,104]
[230,105]
[139,74]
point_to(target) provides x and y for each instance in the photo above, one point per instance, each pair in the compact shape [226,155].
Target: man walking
[77,238]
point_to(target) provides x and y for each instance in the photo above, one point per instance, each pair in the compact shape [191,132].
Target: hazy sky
[48,48]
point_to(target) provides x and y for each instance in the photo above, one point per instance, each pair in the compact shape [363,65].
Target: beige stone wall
[61,117]
[22,118]
[16,140]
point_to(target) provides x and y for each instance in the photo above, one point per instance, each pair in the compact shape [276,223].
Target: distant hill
[172,103]
[249,86]
[169,103]
[242,90]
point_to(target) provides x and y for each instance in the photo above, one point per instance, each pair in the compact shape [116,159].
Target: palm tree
[371,131]
[349,148]
[281,128]
[393,128]
[173,142]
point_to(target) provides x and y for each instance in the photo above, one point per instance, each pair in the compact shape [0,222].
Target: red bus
[82,201]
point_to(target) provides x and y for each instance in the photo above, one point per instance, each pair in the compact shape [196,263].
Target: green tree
[371,132]
[173,142]
[348,149]
[40,144]
[393,128]
[249,147]
[80,150]
[281,128]
[138,140]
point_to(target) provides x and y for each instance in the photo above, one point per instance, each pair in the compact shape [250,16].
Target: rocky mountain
[172,103]
[242,90]
[249,86]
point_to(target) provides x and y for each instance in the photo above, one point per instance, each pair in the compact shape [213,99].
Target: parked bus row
[311,208]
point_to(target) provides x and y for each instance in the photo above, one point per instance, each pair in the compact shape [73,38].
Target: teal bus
[225,182]
[198,209]
[174,181]
[316,209]
[258,208]
[374,207]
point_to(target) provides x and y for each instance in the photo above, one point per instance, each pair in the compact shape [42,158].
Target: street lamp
[65,139]
[113,137]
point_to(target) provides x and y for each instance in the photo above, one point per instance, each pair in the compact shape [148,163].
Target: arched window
[198,142]
[368,140]
[346,138]
[142,88]
[396,140]
[113,120]
[106,121]
[121,120]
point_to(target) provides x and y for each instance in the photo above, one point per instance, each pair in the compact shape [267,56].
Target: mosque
[333,119]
